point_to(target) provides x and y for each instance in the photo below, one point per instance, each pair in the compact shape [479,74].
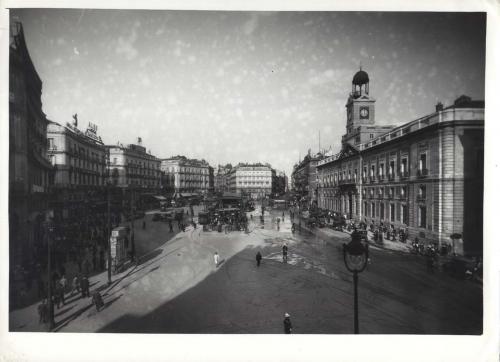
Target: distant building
[211,179]
[132,167]
[254,180]
[279,185]
[186,175]
[305,178]
[30,172]
[426,175]
[221,178]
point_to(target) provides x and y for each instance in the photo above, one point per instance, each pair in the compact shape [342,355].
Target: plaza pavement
[176,288]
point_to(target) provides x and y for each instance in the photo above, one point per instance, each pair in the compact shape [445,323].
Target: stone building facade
[305,178]
[221,178]
[132,167]
[425,175]
[79,160]
[30,172]
[186,175]
[254,180]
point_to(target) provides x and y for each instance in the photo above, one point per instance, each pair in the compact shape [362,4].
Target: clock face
[363,112]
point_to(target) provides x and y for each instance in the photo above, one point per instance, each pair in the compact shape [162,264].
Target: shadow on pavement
[145,258]
[62,311]
[396,296]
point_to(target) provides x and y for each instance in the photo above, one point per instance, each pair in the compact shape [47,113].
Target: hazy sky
[241,86]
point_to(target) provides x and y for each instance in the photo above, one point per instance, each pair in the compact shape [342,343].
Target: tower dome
[360,83]
[361,77]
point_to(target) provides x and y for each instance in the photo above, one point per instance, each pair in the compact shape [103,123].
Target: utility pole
[108,186]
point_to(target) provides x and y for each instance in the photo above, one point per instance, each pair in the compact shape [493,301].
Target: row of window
[139,164]
[78,178]
[192,170]
[253,183]
[92,166]
[372,171]
[390,214]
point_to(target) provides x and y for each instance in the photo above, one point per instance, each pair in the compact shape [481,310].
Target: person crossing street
[287,324]
[258,257]
[285,253]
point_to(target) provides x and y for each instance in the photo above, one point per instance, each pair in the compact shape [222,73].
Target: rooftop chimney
[439,107]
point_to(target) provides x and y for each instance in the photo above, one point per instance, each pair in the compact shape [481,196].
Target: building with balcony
[305,178]
[131,167]
[254,180]
[186,175]
[221,178]
[426,175]
[30,172]
[79,160]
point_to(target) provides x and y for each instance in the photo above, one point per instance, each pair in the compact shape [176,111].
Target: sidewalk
[330,235]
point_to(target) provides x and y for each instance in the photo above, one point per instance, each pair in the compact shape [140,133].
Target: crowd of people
[77,243]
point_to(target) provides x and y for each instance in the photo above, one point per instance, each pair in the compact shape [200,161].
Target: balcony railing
[404,174]
[372,179]
[422,172]
[390,177]
[381,177]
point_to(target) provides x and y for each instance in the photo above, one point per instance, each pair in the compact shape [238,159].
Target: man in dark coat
[285,253]
[287,324]
[84,284]
[258,257]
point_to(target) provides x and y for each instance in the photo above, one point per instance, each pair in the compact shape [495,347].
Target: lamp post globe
[355,259]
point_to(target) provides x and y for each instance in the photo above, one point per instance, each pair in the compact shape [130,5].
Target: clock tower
[360,110]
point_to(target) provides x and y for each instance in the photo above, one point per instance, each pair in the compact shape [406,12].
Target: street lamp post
[355,259]
[108,234]
[132,251]
[50,229]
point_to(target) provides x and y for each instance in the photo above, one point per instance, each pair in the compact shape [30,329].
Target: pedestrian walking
[42,311]
[285,253]
[143,224]
[57,295]
[283,215]
[62,290]
[216,259]
[278,223]
[287,324]
[97,300]
[170,227]
[84,285]
[76,285]
[258,257]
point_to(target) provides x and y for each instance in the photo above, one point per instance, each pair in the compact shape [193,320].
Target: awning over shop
[231,195]
[160,198]
[187,194]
